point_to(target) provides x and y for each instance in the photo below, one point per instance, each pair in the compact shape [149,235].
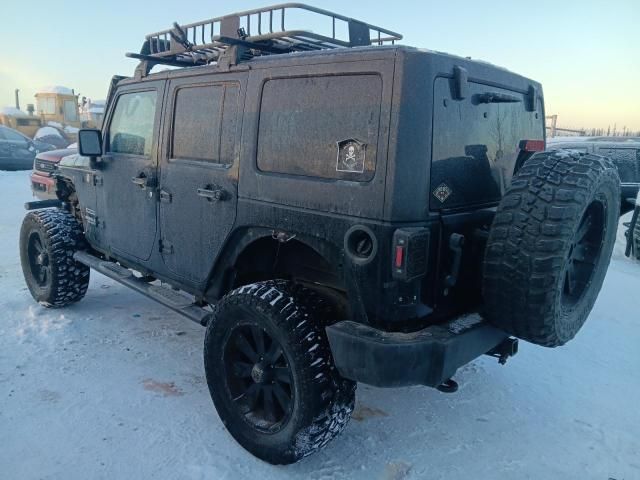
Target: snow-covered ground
[114,387]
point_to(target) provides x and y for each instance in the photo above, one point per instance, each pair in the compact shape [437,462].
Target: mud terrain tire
[48,240]
[270,372]
[550,245]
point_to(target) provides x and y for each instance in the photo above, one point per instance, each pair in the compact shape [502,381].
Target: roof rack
[244,35]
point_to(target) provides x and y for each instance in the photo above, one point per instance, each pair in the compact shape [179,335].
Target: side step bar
[176,301]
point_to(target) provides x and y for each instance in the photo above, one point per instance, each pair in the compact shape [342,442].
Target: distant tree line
[611,132]
[554,130]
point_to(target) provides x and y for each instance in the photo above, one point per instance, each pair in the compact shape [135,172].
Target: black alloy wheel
[39,261]
[258,377]
[584,253]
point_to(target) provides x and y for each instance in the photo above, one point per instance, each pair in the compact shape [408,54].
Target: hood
[56,155]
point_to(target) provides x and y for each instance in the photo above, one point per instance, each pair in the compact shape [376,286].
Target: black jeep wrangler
[334,208]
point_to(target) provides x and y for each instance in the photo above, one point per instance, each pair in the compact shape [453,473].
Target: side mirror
[90,142]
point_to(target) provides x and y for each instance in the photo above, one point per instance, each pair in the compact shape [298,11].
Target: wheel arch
[255,254]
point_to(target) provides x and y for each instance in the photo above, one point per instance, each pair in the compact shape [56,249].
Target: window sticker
[351,156]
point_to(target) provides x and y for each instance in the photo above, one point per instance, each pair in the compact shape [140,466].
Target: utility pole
[554,124]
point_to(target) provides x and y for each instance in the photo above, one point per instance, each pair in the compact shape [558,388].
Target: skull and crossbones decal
[351,156]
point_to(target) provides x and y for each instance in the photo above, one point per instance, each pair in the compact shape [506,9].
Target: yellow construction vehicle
[26,123]
[58,105]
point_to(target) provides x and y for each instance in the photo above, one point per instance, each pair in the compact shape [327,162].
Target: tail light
[410,253]
[532,145]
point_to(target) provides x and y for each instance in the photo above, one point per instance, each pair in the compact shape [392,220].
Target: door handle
[140,181]
[213,195]
[143,181]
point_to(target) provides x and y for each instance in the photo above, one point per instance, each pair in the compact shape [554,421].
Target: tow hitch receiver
[508,348]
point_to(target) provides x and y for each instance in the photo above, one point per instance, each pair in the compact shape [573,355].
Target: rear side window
[626,159]
[476,143]
[131,130]
[324,127]
[204,123]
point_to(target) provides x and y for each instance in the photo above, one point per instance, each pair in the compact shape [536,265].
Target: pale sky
[585,53]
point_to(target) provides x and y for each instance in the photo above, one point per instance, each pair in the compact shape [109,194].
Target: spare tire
[550,245]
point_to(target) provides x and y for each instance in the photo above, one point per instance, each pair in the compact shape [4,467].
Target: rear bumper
[393,359]
[43,186]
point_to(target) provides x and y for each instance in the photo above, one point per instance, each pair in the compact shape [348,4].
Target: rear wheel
[550,245]
[48,240]
[271,375]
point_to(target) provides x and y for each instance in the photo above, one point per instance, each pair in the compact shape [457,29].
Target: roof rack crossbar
[263,31]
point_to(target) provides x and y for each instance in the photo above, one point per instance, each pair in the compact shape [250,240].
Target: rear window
[626,159]
[325,127]
[476,144]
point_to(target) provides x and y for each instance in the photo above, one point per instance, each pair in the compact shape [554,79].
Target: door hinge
[92,179]
[165,196]
[166,247]
[91,217]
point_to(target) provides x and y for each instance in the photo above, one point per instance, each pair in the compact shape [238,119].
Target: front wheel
[270,372]
[48,240]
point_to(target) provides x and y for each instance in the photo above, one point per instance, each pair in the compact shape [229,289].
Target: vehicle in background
[42,183]
[57,107]
[92,113]
[625,153]
[58,104]
[633,232]
[17,151]
[23,122]
[53,136]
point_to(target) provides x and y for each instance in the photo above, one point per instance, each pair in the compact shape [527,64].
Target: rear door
[199,179]
[476,145]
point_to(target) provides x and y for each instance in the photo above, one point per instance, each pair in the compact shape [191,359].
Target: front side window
[132,124]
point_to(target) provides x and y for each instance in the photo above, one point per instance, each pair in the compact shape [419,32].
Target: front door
[199,181]
[126,201]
